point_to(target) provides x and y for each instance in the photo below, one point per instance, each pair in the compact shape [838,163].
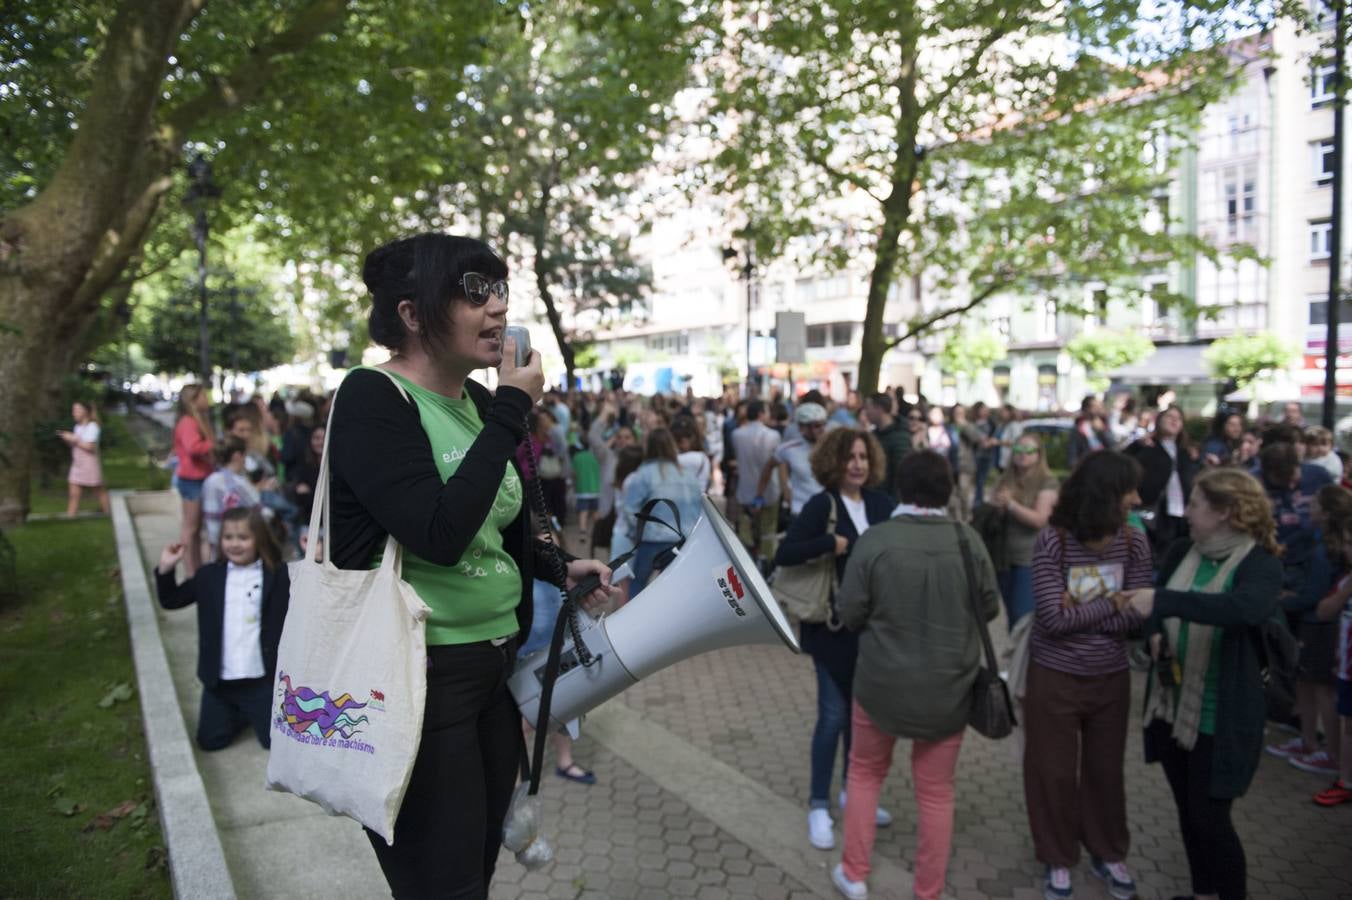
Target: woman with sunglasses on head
[432,464]
[1027,493]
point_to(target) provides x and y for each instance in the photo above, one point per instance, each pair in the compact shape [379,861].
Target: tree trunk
[74,228]
[539,234]
[896,212]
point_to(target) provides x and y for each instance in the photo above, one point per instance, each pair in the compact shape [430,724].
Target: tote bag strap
[321,517]
[833,622]
[970,569]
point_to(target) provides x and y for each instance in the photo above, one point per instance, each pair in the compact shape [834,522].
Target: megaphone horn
[711,596]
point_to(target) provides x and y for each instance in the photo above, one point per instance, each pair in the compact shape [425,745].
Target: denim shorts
[588,504]
[189,488]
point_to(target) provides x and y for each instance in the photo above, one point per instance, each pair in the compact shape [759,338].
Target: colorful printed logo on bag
[317,718]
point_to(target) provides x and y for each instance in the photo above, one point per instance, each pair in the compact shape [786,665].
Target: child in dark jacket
[241,604]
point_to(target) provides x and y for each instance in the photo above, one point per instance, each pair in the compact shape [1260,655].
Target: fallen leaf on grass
[155,858]
[67,807]
[107,820]
[120,692]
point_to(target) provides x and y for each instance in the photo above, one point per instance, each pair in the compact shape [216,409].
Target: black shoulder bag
[992,712]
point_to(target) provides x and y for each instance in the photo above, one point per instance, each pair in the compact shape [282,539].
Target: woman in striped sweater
[1079,687]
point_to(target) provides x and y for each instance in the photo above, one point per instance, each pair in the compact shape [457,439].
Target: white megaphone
[711,596]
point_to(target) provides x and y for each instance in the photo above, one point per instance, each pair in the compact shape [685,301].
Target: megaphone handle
[592,582]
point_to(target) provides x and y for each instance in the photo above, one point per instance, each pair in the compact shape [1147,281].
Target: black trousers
[230,707]
[449,829]
[1215,855]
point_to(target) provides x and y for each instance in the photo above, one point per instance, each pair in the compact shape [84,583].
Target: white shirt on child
[241,650]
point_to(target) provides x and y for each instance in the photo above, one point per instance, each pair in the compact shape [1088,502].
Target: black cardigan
[1241,711]
[1156,467]
[385,481]
[207,590]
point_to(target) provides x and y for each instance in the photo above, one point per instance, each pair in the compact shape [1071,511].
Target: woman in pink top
[194,442]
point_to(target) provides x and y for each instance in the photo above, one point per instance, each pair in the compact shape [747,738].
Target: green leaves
[1245,358]
[1102,351]
[118,693]
[972,143]
[968,353]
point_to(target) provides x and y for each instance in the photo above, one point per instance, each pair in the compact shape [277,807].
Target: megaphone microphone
[711,596]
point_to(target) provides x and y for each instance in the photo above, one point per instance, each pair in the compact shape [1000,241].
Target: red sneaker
[1334,794]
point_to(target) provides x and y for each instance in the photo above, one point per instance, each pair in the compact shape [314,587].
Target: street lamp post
[201,191]
[1331,345]
[748,275]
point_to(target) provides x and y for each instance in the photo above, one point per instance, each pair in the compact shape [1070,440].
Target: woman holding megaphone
[420,451]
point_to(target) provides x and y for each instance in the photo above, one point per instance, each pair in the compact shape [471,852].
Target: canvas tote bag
[805,590]
[347,709]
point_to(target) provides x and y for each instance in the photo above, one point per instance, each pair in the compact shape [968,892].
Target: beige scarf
[1182,706]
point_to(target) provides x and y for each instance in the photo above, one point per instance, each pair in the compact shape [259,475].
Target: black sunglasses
[479,287]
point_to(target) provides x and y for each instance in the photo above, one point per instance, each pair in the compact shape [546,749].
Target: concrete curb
[196,859]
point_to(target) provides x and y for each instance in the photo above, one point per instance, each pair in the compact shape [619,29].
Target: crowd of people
[1147,547]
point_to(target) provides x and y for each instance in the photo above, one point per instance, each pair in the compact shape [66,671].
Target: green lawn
[78,806]
[125,465]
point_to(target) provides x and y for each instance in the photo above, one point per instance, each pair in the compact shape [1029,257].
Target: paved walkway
[702,793]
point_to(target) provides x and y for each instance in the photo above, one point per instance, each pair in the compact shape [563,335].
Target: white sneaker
[819,833]
[855,890]
[883,818]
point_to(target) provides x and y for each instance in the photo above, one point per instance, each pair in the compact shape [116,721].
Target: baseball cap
[809,413]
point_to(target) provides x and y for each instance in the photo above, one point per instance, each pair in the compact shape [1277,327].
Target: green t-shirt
[586,474]
[1206,570]
[476,599]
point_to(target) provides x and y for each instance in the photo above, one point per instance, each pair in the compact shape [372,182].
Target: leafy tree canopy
[1245,358]
[985,146]
[1101,351]
[970,353]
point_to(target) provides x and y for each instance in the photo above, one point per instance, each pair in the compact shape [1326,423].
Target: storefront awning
[1167,366]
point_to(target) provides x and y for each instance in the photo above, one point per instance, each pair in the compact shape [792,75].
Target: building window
[1049,319]
[1320,235]
[1323,161]
[1099,301]
[1321,85]
[1322,10]
[1231,189]
[842,334]
[1319,313]
[816,336]
[1001,326]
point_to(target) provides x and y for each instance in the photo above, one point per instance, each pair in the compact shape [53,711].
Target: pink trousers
[932,766]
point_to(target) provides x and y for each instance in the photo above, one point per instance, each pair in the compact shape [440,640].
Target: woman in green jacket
[1204,709]
[906,589]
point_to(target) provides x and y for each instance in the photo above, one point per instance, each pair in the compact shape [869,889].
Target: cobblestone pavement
[714,804]
[753,707]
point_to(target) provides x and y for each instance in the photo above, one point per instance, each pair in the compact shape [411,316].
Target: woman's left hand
[580,569]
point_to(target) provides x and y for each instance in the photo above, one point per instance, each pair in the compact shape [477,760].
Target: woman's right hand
[170,556]
[842,545]
[529,378]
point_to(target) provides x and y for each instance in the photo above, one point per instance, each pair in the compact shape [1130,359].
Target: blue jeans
[984,464]
[645,554]
[1016,589]
[833,724]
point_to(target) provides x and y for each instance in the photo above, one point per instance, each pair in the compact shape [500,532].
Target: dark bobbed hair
[831,454]
[924,478]
[1090,503]
[1279,464]
[425,270]
[264,540]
